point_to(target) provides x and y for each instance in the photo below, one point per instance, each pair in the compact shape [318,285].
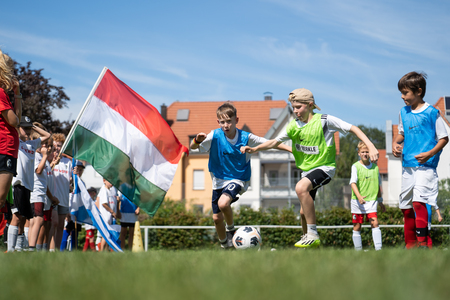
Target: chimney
[267,96]
[164,111]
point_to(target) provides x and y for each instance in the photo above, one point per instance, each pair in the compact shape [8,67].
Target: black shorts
[318,178]
[123,224]
[8,164]
[22,204]
[231,189]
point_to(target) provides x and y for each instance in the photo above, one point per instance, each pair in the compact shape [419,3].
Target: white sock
[312,229]
[357,240]
[19,243]
[230,227]
[13,232]
[25,234]
[377,240]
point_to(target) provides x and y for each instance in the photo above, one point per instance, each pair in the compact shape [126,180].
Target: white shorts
[419,184]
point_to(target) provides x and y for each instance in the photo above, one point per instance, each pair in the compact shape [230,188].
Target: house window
[273,177]
[199,180]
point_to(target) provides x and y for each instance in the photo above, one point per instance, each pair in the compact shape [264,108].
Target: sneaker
[308,241]
[230,235]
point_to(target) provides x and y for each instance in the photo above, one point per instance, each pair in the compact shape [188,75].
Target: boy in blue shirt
[230,169]
[423,135]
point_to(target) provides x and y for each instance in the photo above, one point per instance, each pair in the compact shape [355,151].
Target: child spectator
[90,229]
[314,150]
[130,213]
[108,201]
[40,191]
[23,183]
[230,169]
[62,174]
[366,195]
[422,132]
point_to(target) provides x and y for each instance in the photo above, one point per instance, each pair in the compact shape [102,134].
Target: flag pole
[88,100]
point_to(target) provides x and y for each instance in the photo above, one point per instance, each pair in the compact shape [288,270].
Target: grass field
[210,274]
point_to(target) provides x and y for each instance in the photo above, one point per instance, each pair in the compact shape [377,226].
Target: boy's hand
[383,208]
[137,211]
[397,149]
[44,150]
[247,149]
[423,157]
[55,200]
[200,137]
[361,200]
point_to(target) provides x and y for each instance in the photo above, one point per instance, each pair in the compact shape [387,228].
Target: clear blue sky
[350,54]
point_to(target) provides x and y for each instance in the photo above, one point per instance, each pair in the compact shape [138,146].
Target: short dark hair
[226,109]
[413,81]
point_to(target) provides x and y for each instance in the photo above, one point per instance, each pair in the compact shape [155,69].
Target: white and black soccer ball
[247,237]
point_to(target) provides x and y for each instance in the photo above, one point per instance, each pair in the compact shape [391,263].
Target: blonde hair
[59,137]
[6,72]
[226,110]
[361,145]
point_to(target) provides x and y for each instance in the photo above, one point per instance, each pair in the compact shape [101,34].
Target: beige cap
[302,95]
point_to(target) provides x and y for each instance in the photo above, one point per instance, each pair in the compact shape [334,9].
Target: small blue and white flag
[85,211]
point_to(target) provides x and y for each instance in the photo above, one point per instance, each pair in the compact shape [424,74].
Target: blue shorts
[231,189]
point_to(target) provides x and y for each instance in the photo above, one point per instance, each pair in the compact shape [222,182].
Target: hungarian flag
[127,141]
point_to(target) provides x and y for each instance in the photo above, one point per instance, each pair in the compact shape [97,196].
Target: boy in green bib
[366,195]
[313,147]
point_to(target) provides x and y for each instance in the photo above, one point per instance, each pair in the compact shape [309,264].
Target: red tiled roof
[440,104]
[202,117]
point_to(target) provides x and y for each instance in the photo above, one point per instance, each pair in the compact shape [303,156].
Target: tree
[41,98]
[348,149]
[443,198]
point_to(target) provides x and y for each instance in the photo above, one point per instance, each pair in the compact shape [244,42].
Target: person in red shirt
[11,112]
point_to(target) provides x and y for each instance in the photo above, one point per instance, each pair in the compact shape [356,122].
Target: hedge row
[174,213]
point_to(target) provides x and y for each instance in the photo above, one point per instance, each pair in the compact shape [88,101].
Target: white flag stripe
[108,124]
[103,227]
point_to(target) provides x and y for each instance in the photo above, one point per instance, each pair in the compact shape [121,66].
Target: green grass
[214,274]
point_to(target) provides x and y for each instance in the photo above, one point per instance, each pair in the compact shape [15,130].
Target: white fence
[146,228]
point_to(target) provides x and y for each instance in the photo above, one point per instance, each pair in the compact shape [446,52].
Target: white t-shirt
[108,197]
[333,124]
[218,183]
[369,206]
[62,173]
[40,181]
[441,132]
[25,163]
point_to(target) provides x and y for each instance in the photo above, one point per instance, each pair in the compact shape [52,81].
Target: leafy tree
[41,98]
[348,149]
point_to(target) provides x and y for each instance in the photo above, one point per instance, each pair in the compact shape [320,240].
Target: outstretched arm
[270,144]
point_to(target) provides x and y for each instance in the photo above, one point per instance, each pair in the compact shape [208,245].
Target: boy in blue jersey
[230,169]
[423,135]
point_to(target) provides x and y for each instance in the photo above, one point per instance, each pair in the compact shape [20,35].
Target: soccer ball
[247,237]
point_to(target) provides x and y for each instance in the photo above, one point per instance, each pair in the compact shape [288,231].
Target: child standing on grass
[366,195]
[23,183]
[314,150]
[422,132]
[109,207]
[230,169]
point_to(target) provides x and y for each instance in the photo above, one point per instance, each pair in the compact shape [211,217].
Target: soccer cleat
[230,235]
[308,241]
